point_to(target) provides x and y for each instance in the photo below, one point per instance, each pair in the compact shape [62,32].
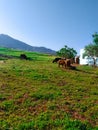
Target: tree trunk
[94,61]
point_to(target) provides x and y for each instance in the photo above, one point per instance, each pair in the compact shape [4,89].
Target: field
[36,94]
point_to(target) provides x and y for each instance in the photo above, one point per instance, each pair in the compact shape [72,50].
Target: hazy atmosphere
[50,23]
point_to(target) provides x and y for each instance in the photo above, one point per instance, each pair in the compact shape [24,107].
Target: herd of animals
[66,63]
[62,62]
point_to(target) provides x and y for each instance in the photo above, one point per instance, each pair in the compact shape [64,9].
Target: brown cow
[61,62]
[72,60]
[64,63]
[67,63]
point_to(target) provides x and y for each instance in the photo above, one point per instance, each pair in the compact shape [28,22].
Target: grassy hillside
[38,95]
[16,54]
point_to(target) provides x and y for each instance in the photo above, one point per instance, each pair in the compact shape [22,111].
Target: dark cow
[23,56]
[56,59]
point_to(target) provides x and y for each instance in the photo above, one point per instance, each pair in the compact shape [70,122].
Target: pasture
[36,94]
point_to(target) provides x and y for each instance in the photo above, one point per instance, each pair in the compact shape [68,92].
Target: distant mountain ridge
[9,42]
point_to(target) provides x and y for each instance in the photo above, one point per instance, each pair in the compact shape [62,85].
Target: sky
[50,23]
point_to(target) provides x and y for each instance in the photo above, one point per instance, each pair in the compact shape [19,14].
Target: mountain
[9,42]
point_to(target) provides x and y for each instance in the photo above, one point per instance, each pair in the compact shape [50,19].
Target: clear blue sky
[50,23]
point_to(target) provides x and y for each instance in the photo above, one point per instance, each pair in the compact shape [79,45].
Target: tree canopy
[92,48]
[67,52]
[95,38]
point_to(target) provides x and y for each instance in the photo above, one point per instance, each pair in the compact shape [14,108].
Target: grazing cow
[61,62]
[23,56]
[56,60]
[67,63]
[72,60]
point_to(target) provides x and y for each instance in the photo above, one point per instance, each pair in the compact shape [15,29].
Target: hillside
[7,53]
[36,94]
[9,42]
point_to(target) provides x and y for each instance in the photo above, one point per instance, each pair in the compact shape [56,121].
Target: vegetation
[92,49]
[6,53]
[67,52]
[36,94]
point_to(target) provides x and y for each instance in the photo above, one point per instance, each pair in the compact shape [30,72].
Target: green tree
[95,38]
[67,52]
[91,50]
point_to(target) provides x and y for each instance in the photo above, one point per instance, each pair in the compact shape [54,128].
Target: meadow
[36,94]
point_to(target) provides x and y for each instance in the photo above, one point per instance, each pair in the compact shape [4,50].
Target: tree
[91,50]
[95,38]
[67,52]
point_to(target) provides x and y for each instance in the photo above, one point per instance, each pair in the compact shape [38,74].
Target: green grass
[38,95]
[30,55]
